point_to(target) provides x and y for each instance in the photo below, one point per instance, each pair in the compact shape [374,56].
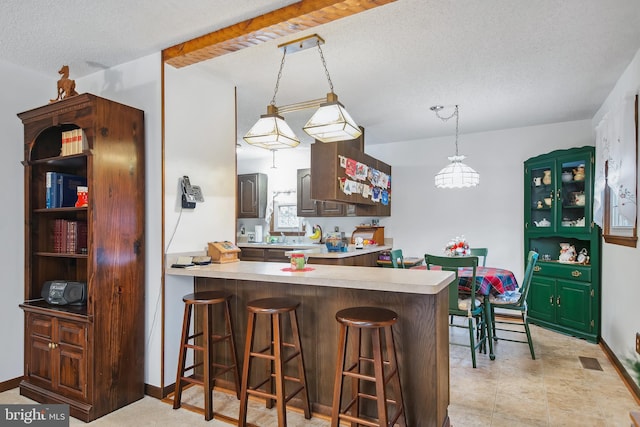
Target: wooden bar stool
[274,352]
[379,322]
[211,369]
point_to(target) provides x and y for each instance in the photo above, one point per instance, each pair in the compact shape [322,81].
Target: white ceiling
[507,63]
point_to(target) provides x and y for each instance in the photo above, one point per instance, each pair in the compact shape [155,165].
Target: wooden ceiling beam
[278,23]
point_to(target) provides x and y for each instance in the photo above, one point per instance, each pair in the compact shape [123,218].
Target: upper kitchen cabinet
[339,172]
[308,207]
[252,195]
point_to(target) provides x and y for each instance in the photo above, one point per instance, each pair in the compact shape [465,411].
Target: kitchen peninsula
[419,297]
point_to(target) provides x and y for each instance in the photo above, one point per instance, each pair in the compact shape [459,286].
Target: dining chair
[515,301]
[480,252]
[464,305]
[397,260]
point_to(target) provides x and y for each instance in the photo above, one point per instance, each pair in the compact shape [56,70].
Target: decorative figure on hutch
[66,86]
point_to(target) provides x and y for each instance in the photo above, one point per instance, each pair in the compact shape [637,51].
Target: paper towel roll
[258,231]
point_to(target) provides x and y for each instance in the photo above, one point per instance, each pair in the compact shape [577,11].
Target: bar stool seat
[379,322]
[274,353]
[211,369]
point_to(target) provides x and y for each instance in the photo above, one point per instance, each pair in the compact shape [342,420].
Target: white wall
[620,266]
[200,143]
[424,218]
[22,90]
[137,84]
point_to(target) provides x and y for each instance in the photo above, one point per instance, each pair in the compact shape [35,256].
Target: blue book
[67,189]
[49,189]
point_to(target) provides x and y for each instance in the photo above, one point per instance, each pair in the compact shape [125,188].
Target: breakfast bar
[419,297]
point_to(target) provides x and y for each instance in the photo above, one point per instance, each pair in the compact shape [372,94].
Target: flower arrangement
[457,247]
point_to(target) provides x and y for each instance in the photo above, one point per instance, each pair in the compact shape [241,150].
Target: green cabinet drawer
[578,272]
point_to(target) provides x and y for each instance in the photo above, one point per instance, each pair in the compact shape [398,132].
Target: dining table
[489,281]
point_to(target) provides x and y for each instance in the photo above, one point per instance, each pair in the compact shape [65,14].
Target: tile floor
[553,390]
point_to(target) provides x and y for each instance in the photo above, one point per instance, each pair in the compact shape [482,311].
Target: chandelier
[456,174]
[330,123]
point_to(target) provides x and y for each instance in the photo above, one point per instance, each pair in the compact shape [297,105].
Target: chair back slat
[480,252]
[532,258]
[397,260]
[454,264]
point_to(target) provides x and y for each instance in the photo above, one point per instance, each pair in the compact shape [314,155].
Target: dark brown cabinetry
[327,172]
[56,354]
[252,195]
[308,207]
[90,356]
[277,254]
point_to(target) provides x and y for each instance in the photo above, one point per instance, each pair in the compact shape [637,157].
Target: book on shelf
[69,236]
[68,189]
[73,142]
[62,189]
[50,198]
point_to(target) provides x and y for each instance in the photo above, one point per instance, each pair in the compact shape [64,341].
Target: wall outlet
[637,342]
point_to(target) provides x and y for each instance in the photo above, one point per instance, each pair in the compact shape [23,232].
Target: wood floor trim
[622,371]
[10,384]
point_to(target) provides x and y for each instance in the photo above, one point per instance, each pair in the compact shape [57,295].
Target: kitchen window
[285,216]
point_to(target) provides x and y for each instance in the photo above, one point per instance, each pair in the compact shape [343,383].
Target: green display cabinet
[558,224]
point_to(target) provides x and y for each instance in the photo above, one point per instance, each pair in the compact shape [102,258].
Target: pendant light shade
[456,174]
[331,122]
[271,132]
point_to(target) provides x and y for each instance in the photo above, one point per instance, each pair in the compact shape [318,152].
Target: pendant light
[456,174]
[331,122]
[271,131]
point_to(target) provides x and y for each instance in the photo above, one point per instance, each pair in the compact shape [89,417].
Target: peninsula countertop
[425,282]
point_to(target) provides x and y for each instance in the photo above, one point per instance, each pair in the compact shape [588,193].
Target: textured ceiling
[507,63]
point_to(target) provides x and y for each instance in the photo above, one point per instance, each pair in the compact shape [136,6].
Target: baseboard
[624,374]
[158,392]
[10,384]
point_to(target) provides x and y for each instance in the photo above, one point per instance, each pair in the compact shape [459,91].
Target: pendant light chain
[456,113]
[444,119]
[326,70]
[275,91]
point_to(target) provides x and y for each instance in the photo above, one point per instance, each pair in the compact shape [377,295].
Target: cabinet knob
[551,299]
[558,301]
[537,268]
[576,273]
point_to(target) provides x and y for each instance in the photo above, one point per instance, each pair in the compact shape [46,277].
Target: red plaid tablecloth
[488,279]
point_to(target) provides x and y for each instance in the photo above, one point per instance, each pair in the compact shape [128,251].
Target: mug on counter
[298,261]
